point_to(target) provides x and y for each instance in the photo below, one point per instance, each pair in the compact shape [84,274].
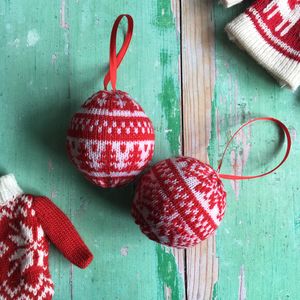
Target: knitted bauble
[181,201]
[110,139]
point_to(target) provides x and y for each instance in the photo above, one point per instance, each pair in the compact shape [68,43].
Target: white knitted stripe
[107,142]
[114,113]
[167,223]
[9,188]
[191,183]
[111,174]
[229,3]
[189,230]
[242,31]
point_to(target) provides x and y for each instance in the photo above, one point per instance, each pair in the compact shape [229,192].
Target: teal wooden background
[258,243]
[54,55]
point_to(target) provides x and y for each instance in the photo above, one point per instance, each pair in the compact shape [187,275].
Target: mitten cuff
[83,257]
[9,188]
[245,34]
[229,3]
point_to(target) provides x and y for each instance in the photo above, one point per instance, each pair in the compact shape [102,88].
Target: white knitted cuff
[229,3]
[9,188]
[243,32]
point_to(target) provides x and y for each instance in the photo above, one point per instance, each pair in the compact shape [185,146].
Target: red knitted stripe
[111,137]
[145,121]
[101,178]
[139,220]
[196,203]
[171,231]
[269,40]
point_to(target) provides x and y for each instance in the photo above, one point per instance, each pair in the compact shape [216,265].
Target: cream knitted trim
[9,188]
[243,32]
[229,3]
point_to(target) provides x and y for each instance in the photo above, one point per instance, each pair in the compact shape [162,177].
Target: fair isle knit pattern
[25,220]
[269,31]
[110,139]
[179,202]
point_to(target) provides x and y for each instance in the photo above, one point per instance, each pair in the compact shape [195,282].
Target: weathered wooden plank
[197,89]
[53,56]
[258,240]
[179,254]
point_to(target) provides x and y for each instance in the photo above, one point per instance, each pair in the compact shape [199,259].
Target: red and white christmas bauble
[179,202]
[110,140]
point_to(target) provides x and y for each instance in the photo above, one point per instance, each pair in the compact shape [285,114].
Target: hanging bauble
[181,201]
[111,140]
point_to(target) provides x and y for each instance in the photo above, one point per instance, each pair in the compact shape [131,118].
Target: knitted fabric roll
[25,221]
[269,31]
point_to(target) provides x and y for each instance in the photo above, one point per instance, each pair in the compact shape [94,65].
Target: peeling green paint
[169,277]
[212,146]
[169,101]
[164,16]
[260,231]
[165,57]
[214,295]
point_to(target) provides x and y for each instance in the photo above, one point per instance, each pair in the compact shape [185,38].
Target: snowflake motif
[28,243]
[102,101]
[119,101]
[3,249]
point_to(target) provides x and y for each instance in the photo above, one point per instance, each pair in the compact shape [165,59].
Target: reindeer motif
[290,17]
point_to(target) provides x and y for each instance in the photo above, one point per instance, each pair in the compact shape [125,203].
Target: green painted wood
[259,239]
[53,56]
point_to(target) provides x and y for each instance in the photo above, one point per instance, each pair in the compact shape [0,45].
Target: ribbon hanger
[114,58]
[288,148]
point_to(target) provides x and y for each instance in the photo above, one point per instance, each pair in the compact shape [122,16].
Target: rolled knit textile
[270,32]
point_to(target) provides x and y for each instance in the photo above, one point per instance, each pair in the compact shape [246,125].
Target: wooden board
[53,56]
[197,87]
[258,242]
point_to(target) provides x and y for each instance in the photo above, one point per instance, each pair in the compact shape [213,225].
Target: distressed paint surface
[258,241]
[53,56]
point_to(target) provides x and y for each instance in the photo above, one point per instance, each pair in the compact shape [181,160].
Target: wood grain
[198,74]
[179,254]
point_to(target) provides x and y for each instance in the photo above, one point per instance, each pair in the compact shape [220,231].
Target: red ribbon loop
[114,59]
[288,148]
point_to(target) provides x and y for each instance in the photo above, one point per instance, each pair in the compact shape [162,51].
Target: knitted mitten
[269,31]
[25,221]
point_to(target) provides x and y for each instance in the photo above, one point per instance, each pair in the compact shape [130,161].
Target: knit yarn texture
[110,139]
[25,221]
[179,202]
[269,31]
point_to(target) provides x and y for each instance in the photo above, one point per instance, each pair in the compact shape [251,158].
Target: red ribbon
[114,59]
[288,148]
